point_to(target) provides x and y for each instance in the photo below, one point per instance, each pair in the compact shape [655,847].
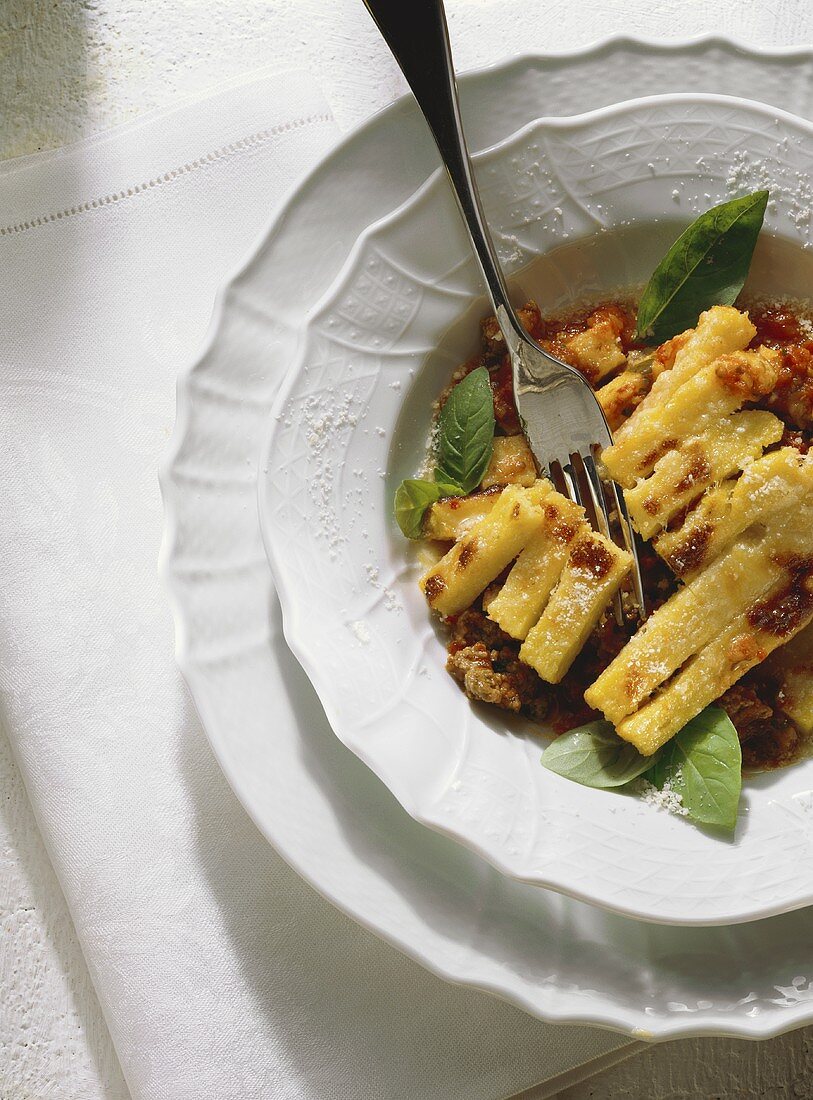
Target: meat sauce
[485,660]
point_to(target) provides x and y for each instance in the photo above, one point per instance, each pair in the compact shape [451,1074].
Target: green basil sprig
[595,756]
[466,432]
[465,443]
[706,266]
[703,764]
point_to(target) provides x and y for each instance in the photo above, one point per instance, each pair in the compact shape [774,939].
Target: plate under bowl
[310,797]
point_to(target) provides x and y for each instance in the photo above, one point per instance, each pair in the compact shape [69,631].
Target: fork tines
[578,475]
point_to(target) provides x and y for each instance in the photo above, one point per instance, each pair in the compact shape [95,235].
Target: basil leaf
[413,497]
[706,266]
[595,756]
[702,764]
[466,432]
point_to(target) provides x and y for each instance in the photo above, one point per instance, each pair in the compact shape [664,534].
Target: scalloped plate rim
[195,674]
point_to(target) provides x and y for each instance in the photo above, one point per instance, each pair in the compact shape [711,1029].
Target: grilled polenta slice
[686,549]
[710,395]
[621,396]
[712,631]
[597,351]
[522,598]
[769,485]
[687,622]
[485,550]
[452,517]
[511,463]
[704,460]
[721,330]
[745,642]
[592,574]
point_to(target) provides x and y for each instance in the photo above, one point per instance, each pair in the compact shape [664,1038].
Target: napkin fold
[220,973]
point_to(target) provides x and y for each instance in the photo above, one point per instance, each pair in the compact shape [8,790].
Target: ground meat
[794,437]
[776,745]
[472,626]
[474,668]
[485,661]
[745,709]
[493,343]
[502,389]
[767,736]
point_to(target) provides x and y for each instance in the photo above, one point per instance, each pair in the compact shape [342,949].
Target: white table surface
[75,67]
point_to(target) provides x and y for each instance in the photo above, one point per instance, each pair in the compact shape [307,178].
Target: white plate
[315,802]
[352,421]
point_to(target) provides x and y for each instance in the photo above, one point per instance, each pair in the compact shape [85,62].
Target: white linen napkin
[110,256]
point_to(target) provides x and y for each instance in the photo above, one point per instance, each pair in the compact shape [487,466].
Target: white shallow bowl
[352,420]
[322,809]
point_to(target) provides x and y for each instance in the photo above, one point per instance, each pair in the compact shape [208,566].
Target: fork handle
[417,35]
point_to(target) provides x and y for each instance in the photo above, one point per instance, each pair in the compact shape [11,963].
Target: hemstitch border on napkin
[251,141]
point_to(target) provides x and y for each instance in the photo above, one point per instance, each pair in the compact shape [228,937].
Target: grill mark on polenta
[468,550]
[558,527]
[663,448]
[691,554]
[699,470]
[434,587]
[590,556]
[783,612]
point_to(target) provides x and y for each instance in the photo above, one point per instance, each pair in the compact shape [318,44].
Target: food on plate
[710,398]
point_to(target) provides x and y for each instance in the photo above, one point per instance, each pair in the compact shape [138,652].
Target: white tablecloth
[82,600]
[203,948]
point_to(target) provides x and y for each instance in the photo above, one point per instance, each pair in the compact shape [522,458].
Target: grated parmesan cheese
[666,799]
[372,574]
[325,414]
[748,172]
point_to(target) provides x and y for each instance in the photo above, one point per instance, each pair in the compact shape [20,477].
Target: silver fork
[562,420]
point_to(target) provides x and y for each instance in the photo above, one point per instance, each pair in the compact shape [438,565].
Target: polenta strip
[592,574]
[511,463]
[686,623]
[745,642]
[711,394]
[721,330]
[770,484]
[681,475]
[482,554]
[620,396]
[597,351]
[521,600]
[687,550]
[452,517]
